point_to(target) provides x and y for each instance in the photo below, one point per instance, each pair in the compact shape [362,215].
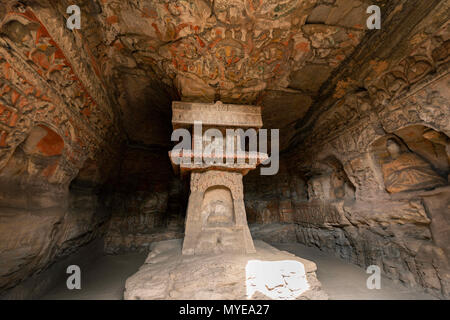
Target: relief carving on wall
[429,56]
[38,85]
[231,180]
[406,171]
[217,208]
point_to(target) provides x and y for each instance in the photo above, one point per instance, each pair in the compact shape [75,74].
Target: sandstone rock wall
[364,118]
[38,284]
[374,157]
[395,233]
[148,203]
[39,227]
[370,163]
[59,138]
[268,198]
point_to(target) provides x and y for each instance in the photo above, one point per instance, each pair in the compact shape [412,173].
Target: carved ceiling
[117,76]
[268,52]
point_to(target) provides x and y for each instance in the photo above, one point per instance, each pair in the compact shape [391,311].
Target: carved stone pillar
[216,220]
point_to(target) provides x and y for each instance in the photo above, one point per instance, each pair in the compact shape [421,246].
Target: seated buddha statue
[406,171]
[219,213]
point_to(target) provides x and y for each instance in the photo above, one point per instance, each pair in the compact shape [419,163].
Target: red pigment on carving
[51,144]
[3,139]
[14,96]
[47,172]
[6,70]
[200,42]
[303,46]
[112,19]
[118,45]
[86,112]
[13,120]
[41,59]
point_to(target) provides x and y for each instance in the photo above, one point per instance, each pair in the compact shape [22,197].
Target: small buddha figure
[405,171]
[337,186]
[219,213]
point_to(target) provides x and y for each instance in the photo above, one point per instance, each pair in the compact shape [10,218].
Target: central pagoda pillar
[216,220]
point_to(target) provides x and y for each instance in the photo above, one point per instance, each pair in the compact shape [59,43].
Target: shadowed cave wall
[46,213]
[363,118]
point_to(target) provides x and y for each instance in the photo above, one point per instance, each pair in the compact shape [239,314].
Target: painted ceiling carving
[232,50]
[43,83]
[246,51]
[116,77]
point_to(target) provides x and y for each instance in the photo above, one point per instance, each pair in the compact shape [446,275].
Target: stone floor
[343,280]
[105,280]
[340,279]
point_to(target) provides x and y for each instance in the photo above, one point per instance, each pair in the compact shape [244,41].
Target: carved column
[216,221]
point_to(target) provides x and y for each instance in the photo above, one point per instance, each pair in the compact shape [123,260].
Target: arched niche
[217,208]
[330,181]
[20,30]
[43,141]
[38,156]
[412,158]
[340,185]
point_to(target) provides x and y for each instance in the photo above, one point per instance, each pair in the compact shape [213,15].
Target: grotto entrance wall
[366,176]
[331,187]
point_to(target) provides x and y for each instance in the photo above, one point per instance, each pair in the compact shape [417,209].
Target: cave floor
[105,280]
[345,281]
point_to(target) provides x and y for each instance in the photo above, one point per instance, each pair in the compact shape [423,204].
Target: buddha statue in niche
[218,213]
[217,208]
[341,187]
[406,171]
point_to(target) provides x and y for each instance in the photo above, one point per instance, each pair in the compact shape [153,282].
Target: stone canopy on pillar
[216,221]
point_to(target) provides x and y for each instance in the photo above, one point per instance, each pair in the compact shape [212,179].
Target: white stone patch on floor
[278,280]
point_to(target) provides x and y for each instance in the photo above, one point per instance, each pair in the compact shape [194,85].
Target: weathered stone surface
[85,124]
[405,234]
[366,203]
[184,114]
[42,219]
[214,277]
[151,53]
[40,283]
[405,171]
[216,221]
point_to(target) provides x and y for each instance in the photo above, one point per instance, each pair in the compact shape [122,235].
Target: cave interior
[86,123]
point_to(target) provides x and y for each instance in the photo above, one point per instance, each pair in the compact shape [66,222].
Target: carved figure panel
[404,170]
[217,208]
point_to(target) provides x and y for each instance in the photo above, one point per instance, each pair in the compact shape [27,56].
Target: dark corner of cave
[224,150]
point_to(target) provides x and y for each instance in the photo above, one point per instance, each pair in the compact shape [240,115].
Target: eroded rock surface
[363,115]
